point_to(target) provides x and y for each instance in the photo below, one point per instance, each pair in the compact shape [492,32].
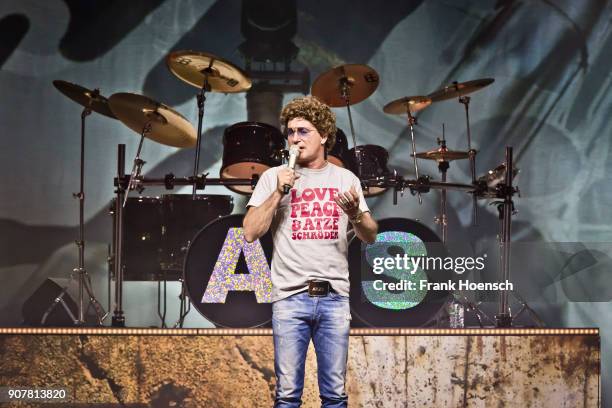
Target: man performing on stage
[310,277]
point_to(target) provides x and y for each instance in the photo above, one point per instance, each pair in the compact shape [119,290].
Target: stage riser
[238,371]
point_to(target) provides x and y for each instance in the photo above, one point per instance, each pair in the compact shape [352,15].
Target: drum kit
[152,236]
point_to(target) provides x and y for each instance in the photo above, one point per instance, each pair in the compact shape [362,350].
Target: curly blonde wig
[314,111]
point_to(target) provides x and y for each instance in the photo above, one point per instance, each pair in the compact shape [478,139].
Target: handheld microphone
[294,153]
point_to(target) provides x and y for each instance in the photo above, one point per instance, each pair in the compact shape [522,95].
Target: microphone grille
[294,149]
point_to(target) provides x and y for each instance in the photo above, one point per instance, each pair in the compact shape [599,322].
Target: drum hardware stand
[183,311]
[345,92]
[506,209]
[398,186]
[442,219]
[465,100]
[423,185]
[440,319]
[118,319]
[110,268]
[411,122]
[443,166]
[138,162]
[162,316]
[201,99]
[122,193]
[169,181]
[83,277]
[474,308]
[525,307]
[201,181]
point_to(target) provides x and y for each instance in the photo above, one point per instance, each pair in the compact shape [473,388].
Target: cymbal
[168,127]
[85,97]
[402,105]
[361,81]
[443,155]
[193,67]
[457,89]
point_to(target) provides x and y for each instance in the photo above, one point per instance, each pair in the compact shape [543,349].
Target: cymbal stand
[162,315]
[465,100]
[138,162]
[411,122]
[506,209]
[118,319]
[442,219]
[83,278]
[201,99]
[504,317]
[345,91]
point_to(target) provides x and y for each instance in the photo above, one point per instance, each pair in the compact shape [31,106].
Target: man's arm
[365,227]
[258,219]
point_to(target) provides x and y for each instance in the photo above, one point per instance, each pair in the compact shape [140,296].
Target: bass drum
[250,148]
[142,245]
[370,167]
[372,307]
[184,216]
[220,257]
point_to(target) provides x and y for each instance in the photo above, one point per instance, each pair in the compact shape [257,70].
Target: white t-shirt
[309,229]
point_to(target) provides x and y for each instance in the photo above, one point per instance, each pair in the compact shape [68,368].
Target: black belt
[319,288]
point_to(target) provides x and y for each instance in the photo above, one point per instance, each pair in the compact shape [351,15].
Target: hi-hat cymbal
[402,105]
[443,155]
[193,67]
[85,97]
[167,125]
[359,80]
[457,89]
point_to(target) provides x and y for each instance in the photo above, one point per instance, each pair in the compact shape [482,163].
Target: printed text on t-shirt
[314,213]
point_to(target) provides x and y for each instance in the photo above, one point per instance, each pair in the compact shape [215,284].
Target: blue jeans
[297,319]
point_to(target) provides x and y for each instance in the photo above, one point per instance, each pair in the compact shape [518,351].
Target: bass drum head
[395,308]
[220,246]
[250,148]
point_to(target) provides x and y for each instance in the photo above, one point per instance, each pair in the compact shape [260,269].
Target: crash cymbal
[168,127]
[443,155]
[85,97]
[457,89]
[193,66]
[360,80]
[402,105]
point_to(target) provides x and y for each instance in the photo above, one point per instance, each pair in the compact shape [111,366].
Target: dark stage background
[551,100]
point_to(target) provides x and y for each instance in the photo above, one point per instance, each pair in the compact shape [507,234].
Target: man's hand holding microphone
[286,177]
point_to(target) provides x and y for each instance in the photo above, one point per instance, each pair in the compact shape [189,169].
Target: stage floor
[234,367]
